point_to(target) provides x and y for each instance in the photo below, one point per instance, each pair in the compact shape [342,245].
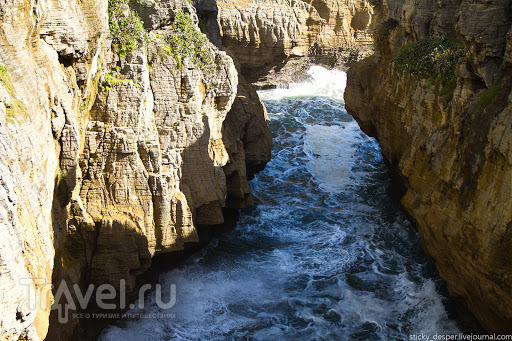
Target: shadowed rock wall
[446,135]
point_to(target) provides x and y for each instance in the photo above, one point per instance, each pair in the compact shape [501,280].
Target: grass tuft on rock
[434,57]
[114,77]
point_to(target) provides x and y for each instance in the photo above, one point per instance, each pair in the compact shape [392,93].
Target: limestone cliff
[264,34]
[437,96]
[39,113]
[111,156]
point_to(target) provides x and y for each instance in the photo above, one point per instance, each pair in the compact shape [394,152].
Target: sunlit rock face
[108,161]
[448,143]
[39,129]
[265,33]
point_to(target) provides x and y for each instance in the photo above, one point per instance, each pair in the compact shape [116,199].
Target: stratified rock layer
[449,143]
[39,113]
[107,161]
[263,34]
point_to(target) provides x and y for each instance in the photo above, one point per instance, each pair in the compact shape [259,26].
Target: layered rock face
[448,140]
[108,161]
[263,34]
[39,117]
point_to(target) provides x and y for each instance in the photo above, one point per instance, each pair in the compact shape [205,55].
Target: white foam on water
[331,150]
[323,256]
[326,83]
[430,315]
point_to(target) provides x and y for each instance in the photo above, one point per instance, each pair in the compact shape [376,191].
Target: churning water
[323,255]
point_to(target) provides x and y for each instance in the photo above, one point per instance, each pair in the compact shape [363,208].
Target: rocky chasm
[126,136]
[119,148]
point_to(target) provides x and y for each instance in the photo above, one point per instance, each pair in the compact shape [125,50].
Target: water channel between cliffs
[324,254]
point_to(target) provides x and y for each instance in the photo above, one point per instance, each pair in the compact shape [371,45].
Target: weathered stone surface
[449,144]
[38,122]
[153,150]
[263,34]
[96,178]
[248,142]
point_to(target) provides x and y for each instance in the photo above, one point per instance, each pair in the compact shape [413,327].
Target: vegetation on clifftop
[126,28]
[187,41]
[435,57]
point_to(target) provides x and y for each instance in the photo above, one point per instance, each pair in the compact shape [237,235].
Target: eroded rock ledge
[448,140]
[108,161]
[267,36]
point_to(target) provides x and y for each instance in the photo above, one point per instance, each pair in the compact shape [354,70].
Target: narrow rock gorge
[127,136]
[437,96]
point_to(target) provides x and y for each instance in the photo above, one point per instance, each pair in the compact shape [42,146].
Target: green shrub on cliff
[186,40]
[126,28]
[114,77]
[436,57]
